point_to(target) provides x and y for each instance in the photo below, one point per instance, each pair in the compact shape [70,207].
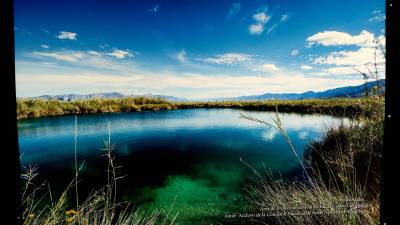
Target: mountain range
[342,92]
[72,97]
[347,91]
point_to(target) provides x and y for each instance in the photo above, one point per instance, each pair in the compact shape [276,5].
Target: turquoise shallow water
[184,159]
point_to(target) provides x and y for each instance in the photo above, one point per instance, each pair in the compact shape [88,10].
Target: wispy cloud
[227,59]
[181,56]
[45,31]
[66,35]
[272,28]
[306,67]
[294,52]
[235,9]
[103,46]
[83,59]
[73,56]
[284,18]
[377,16]
[121,54]
[22,30]
[44,46]
[154,9]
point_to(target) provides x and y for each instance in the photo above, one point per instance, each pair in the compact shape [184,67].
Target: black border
[392,117]
[9,161]
[10,165]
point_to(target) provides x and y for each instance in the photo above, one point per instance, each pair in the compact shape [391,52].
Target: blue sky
[194,49]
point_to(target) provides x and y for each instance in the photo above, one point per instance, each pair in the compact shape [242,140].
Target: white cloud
[306,67]
[93,52]
[227,59]
[181,56]
[354,70]
[261,19]
[120,54]
[381,40]
[235,8]
[267,67]
[45,46]
[294,52]
[362,56]
[256,28]
[349,62]
[336,38]
[66,35]
[284,18]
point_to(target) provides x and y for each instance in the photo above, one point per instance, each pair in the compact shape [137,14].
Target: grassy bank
[354,150]
[342,171]
[30,108]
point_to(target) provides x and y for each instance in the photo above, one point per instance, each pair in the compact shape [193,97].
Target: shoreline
[29,108]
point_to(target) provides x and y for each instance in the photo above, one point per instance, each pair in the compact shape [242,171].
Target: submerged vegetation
[101,207]
[29,108]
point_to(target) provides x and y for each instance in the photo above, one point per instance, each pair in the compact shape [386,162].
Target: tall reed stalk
[278,125]
[76,161]
[101,206]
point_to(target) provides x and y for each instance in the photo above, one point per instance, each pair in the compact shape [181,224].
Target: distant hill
[166,97]
[72,97]
[348,91]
